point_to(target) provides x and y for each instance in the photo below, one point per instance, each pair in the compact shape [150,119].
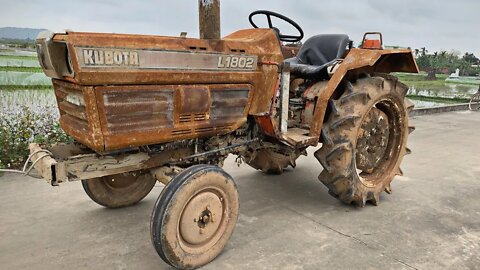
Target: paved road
[431,221]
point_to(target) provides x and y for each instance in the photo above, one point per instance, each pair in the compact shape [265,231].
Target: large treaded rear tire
[364,139]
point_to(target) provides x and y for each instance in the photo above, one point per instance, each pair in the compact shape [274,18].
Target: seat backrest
[321,49]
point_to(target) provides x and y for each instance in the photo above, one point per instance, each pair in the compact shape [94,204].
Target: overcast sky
[437,25]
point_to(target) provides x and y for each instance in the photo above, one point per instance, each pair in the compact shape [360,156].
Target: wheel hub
[119,181]
[372,140]
[200,219]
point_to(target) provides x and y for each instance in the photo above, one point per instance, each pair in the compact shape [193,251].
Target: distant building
[394,47]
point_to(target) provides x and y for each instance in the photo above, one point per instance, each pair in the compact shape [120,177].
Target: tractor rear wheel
[194,216]
[364,139]
[271,162]
[120,190]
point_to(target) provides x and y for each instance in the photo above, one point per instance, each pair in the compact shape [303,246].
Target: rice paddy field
[23,84]
[28,110]
[426,93]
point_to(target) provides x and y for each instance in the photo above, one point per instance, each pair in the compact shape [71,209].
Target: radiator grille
[138,110]
[228,103]
[186,118]
[71,105]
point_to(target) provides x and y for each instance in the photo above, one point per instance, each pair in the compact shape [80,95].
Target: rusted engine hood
[118,91]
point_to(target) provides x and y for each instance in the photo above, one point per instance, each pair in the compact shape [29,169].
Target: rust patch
[374,61]
[267,124]
[107,118]
[193,100]
[260,43]
[78,121]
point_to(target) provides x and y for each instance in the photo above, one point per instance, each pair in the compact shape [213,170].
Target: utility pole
[209,18]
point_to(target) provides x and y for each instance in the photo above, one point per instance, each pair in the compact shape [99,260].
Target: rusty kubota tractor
[147,108]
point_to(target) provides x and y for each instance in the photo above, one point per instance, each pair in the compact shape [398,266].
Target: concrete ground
[431,221]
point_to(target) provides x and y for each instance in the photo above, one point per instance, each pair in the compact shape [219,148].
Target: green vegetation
[18,43]
[22,69]
[25,87]
[464,80]
[420,80]
[19,129]
[19,57]
[447,62]
[422,89]
[438,99]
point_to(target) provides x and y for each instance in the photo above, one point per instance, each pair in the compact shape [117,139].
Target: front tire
[194,216]
[364,139]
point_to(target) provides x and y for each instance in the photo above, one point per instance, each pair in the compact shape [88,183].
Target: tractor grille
[228,103]
[186,118]
[138,110]
[71,105]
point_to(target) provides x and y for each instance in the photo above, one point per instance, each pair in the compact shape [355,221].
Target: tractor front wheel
[365,139]
[194,216]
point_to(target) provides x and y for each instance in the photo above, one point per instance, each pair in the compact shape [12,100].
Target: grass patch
[420,80]
[439,99]
[25,87]
[22,69]
[467,82]
[19,57]
[422,76]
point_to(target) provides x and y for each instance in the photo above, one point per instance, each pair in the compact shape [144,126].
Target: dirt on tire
[272,162]
[194,216]
[364,139]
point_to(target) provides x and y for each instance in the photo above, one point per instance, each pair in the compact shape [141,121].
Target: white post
[284,92]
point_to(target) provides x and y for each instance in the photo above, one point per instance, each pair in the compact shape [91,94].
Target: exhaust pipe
[209,19]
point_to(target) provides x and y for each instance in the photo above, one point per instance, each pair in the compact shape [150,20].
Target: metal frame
[56,167]
[284,97]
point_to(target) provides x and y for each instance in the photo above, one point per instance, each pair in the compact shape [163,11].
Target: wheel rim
[203,220]
[201,217]
[124,182]
[378,142]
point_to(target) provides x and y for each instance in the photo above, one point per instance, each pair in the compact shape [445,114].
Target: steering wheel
[269,14]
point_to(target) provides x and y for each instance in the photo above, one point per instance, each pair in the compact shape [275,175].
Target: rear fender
[361,61]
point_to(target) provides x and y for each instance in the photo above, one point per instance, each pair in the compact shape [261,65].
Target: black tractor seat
[317,53]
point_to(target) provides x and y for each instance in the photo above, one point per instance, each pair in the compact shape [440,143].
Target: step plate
[298,137]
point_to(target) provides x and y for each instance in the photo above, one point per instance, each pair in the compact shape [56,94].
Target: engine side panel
[130,116]
[121,59]
[127,91]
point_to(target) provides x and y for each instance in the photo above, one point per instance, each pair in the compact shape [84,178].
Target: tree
[471,58]
[446,61]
